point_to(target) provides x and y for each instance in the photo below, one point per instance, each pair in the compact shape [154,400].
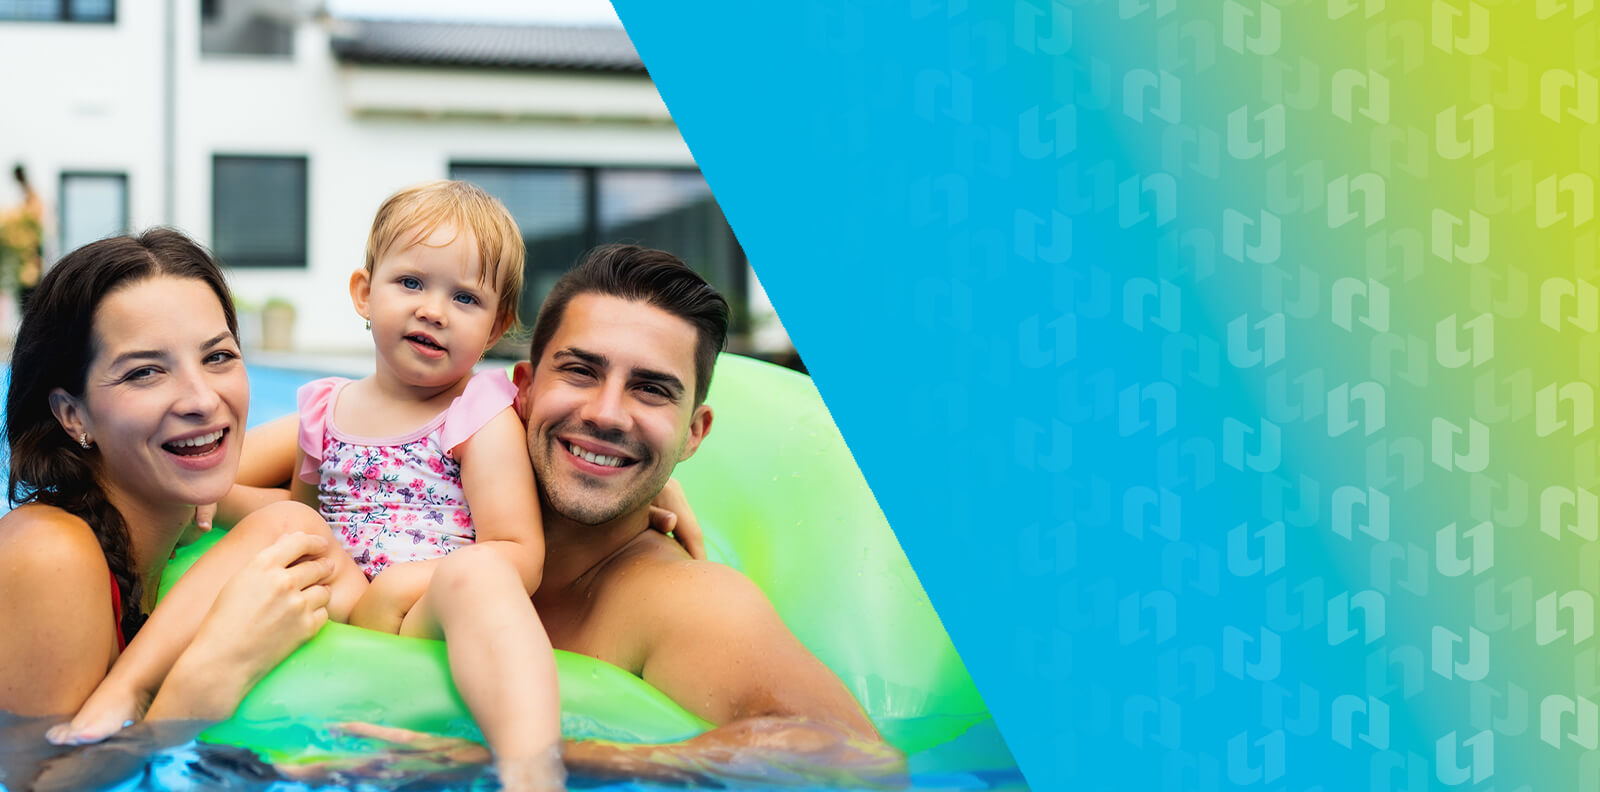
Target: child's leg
[139,671]
[500,658]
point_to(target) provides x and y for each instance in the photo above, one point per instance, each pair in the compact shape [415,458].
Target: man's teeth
[598,459]
[205,439]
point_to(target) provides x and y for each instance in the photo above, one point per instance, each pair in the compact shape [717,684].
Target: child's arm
[269,451]
[264,471]
[497,479]
[300,489]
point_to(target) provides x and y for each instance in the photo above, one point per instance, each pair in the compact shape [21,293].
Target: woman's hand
[268,609]
[670,514]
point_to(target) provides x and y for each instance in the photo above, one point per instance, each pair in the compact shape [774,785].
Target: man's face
[610,407]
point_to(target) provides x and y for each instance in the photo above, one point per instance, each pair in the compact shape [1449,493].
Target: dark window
[93,206]
[58,11]
[258,210]
[564,211]
[235,28]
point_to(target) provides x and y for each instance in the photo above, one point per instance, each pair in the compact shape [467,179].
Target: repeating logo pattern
[1254,344]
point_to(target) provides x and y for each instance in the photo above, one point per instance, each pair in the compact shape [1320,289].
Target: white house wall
[85,97]
[98,101]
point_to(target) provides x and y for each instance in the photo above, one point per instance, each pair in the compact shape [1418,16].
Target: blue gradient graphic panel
[1226,370]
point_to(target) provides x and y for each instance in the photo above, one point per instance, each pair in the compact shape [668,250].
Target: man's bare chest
[594,625]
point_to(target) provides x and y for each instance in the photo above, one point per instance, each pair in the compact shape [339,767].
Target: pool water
[977,760]
[129,764]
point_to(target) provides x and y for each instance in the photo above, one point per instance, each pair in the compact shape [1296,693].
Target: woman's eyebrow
[217,339]
[139,354]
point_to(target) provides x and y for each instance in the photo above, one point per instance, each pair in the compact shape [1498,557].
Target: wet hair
[654,277]
[53,350]
[415,212]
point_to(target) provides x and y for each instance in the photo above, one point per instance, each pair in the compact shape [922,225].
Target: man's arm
[713,643]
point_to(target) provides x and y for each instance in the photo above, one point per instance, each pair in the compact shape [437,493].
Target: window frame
[61,201]
[64,16]
[736,291]
[234,262]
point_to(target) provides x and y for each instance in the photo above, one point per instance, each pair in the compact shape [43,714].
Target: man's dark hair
[654,277]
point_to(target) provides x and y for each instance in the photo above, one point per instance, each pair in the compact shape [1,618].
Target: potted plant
[277,325]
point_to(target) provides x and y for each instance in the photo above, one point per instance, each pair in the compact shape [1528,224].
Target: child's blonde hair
[420,209]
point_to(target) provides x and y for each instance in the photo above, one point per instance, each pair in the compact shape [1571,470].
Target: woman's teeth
[195,445]
[597,459]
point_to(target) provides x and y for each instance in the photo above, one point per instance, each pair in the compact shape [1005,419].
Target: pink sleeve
[486,395]
[315,401]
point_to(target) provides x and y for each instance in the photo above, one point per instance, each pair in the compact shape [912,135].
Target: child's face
[430,318]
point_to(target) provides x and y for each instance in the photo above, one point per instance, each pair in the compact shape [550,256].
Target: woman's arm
[497,479]
[281,597]
[55,612]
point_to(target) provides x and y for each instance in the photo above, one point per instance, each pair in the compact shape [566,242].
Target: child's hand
[670,514]
[203,515]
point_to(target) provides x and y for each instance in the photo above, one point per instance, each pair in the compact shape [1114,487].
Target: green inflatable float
[779,498]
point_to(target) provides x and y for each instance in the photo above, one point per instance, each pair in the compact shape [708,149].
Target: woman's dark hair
[655,277]
[53,349]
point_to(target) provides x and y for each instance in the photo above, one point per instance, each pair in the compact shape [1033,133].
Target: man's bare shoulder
[651,589]
[656,568]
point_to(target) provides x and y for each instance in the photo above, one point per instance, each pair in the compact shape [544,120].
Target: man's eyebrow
[598,360]
[592,358]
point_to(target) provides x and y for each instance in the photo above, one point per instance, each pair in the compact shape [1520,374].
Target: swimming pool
[977,759]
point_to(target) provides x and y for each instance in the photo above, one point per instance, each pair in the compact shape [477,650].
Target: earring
[369,324]
[83,440]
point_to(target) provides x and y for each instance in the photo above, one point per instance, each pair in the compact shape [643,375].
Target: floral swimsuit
[395,499]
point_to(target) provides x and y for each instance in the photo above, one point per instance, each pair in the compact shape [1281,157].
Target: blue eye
[466,299]
[410,283]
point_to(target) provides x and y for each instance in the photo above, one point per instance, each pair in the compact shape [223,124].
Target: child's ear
[361,292]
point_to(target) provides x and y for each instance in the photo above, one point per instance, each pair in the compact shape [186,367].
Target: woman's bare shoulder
[47,540]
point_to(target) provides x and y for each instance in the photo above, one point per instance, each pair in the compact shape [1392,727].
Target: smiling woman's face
[166,394]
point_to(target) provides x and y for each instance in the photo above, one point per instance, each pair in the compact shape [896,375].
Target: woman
[126,408]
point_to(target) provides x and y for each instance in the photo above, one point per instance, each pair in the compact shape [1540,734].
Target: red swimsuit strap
[116,611]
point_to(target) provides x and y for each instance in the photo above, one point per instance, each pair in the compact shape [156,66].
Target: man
[613,398]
